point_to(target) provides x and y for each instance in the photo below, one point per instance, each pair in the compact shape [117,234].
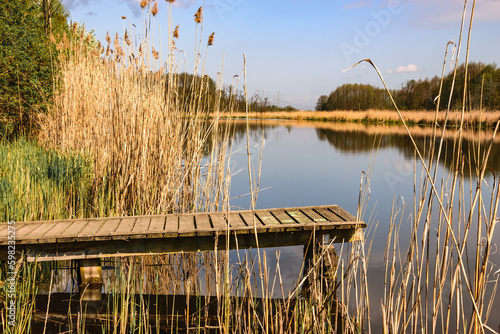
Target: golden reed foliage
[147,146]
[374,129]
[380,116]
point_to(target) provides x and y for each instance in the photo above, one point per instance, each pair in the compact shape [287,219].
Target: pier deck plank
[123,236]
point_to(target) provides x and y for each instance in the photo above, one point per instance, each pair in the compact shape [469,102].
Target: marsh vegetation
[122,138]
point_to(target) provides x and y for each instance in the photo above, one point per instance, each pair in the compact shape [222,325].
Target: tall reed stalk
[444,282]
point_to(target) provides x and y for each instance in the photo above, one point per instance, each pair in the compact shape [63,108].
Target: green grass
[26,287]
[37,183]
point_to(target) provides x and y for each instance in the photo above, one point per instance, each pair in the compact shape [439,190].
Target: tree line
[27,60]
[483,92]
[29,69]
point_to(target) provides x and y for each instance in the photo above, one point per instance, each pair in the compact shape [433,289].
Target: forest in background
[483,92]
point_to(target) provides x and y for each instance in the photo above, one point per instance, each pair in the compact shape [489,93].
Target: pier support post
[325,271]
[90,279]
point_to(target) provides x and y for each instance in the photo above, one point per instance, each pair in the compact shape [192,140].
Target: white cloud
[406,69]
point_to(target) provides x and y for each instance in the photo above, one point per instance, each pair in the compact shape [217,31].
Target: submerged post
[90,279]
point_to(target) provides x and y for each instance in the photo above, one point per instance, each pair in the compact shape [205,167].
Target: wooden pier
[77,239]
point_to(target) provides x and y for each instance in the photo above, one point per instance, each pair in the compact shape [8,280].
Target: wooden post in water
[321,250]
[90,279]
[330,260]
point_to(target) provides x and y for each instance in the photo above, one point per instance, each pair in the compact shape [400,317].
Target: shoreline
[476,118]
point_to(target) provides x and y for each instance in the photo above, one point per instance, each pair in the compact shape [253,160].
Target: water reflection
[319,163]
[355,138]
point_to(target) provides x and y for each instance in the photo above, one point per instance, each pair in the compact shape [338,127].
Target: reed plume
[154,10]
[211,39]
[198,15]
[176,32]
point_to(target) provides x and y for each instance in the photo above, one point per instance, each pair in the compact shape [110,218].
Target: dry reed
[444,282]
[476,117]
[127,112]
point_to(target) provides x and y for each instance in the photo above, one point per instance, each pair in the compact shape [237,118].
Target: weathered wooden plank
[141,225]
[313,215]
[72,231]
[329,215]
[283,217]
[75,238]
[344,214]
[126,225]
[235,221]
[299,217]
[267,218]
[332,226]
[40,230]
[171,226]
[203,226]
[4,233]
[187,244]
[218,221]
[74,228]
[157,224]
[250,219]
[25,229]
[186,225]
[3,228]
[108,227]
[57,230]
[90,229]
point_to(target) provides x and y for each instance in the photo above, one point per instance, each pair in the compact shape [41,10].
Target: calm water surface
[308,164]
[320,163]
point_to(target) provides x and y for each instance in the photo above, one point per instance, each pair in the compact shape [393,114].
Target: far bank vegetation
[483,93]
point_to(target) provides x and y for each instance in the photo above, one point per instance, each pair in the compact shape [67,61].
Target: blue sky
[297,49]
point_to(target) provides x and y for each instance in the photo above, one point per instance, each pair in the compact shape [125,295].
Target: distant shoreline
[476,118]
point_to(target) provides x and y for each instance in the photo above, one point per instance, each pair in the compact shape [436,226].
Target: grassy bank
[38,183]
[473,118]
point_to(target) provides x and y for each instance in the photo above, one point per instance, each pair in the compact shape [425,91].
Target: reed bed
[252,302]
[476,118]
[122,106]
[120,117]
[444,281]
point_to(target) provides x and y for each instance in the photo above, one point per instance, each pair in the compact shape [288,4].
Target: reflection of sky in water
[305,166]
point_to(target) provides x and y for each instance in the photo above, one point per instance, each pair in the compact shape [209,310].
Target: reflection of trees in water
[354,141]
[237,132]
[359,141]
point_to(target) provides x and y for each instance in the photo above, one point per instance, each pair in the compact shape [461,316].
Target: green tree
[26,76]
[483,91]
[322,103]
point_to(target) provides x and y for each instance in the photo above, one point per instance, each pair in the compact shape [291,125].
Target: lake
[300,163]
[314,163]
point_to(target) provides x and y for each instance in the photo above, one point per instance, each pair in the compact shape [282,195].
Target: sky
[297,50]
